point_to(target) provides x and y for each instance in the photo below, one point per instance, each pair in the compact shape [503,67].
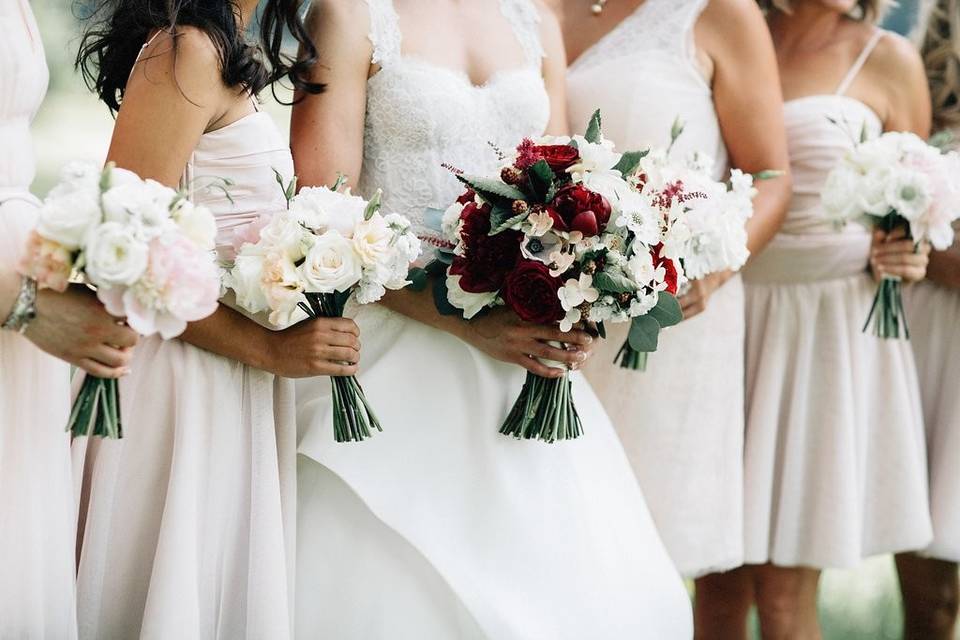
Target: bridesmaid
[710,63]
[929,580]
[42,331]
[834,459]
[187,522]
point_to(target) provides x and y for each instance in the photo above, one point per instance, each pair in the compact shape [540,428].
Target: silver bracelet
[24,309]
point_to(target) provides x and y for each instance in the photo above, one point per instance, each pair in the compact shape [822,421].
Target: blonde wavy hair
[939,37]
[872,10]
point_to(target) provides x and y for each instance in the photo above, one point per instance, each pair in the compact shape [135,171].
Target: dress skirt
[37,509]
[835,468]
[934,316]
[681,423]
[440,527]
[188,522]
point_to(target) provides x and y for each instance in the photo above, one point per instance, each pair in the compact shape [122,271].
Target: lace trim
[524,18]
[384,32]
[656,25]
[386,37]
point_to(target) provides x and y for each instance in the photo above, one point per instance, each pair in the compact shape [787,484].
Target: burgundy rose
[467,196]
[659,260]
[560,157]
[531,292]
[487,259]
[576,208]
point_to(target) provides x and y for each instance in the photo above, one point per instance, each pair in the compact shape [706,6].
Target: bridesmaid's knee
[722,604]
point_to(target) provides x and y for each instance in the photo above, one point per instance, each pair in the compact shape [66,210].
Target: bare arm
[944,267]
[554,70]
[170,101]
[746,95]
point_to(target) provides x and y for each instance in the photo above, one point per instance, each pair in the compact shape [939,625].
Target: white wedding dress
[440,528]
[37,511]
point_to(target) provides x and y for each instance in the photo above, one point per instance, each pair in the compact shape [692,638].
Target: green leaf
[676,130]
[630,161]
[373,206]
[602,330]
[594,132]
[496,192]
[440,298]
[667,313]
[943,140]
[541,179]
[768,174]
[291,189]
[644,333]
[419,279]
[612,282]
[864,133]
[509,223]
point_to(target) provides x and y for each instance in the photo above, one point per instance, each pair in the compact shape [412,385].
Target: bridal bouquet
[144,247]
[704,219]
[560,236]
[327,246]
[896,181]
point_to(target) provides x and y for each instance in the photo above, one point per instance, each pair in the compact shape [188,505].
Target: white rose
[285,234]
[78,176]
[371,240]
[331,265]
[115,256]
[470,303]
[246,279]
[197,223]
[321,208]
[69,217]
[840,194]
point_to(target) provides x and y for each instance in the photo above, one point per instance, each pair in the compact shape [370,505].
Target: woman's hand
[894,254]
[505,337]
[74,327]
[315,347]
[694,301]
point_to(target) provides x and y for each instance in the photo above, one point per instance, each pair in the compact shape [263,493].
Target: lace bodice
[421,115]
[643,75]
[23,83]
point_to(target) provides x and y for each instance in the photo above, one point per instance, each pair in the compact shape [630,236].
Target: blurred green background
[855,605]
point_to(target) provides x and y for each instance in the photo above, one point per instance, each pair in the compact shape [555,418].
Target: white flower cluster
[147,250]
[705,220]
[898,173]
[327,241]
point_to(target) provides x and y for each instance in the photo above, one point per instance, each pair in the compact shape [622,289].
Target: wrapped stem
[353,417]
[96,410]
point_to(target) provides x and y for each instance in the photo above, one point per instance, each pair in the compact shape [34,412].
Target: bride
[440,527]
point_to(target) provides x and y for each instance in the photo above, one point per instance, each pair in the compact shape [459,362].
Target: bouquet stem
[96,411]
[544,411]
[887,314]
[353,418]
[630,358]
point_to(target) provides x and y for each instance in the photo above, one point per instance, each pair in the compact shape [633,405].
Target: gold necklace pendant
[597,7]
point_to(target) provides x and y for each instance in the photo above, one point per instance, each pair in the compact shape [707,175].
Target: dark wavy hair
[119,28]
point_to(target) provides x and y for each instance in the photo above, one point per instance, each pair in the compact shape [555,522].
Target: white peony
[331,264]
[197,223]
[321,208]
[246,279]
[143,203]
[470,303]
[285,234]
[69,217]
[115,256]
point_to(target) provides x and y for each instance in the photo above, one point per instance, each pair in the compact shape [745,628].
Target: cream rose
[331,265]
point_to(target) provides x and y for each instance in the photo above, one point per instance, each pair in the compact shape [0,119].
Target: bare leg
[931,592]
[722,603]
[787,602]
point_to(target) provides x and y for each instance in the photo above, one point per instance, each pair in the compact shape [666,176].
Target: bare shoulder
[897,55]
[349,18]
[186,59]
[549,23]
[897,69]
[731,17]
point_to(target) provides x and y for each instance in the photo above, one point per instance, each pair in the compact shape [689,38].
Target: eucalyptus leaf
[644,334]
[419,278]
[768,174]
[440,298]
[594,132]
[667,313]
[612,282]
[438,267]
